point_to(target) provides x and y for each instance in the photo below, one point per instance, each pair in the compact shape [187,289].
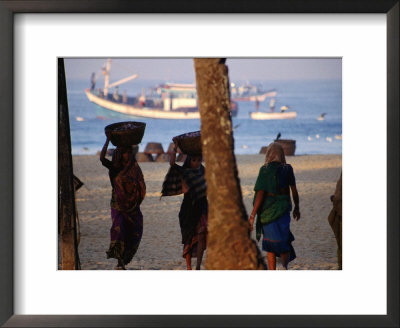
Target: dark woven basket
[154,148]
[288,145]
[142,157]
[124,134]
[189,143]
[162,158]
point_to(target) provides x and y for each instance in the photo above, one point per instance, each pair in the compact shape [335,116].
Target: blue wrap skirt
[277,237]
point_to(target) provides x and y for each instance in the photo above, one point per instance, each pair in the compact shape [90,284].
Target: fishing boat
[272,115]
[165,101]
[249,92]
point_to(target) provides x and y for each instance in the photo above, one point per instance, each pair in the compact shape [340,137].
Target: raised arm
[257,204]
[296,210]
[172,156]
[104,150]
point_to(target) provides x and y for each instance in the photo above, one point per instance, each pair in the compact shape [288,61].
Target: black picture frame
[7,10]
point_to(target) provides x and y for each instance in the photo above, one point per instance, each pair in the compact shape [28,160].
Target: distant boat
[165,101]
[249,92]
[321,117]
[282,115]
[272,115]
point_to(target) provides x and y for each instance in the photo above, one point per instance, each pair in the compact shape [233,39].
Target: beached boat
[165,101]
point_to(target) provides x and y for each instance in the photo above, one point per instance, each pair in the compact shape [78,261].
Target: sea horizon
[308,97]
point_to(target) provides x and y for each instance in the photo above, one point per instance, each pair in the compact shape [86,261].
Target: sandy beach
[161,248]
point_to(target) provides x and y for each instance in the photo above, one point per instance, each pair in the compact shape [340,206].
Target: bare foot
[121,265]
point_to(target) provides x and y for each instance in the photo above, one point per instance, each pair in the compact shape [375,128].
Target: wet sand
[161,248]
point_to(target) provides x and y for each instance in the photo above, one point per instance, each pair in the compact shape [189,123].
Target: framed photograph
[159,92]
[34,34]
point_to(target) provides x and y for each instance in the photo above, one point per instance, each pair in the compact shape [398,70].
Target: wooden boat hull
[272,116]
[140,112]
[128,109]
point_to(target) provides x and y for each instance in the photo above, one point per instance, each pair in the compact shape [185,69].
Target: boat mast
[127,79]
[107,77]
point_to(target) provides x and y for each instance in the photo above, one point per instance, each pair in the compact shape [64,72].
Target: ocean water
[308,98]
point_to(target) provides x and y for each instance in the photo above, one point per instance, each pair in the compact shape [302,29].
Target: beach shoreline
[161,248]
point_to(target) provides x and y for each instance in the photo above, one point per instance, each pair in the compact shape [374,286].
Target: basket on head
[189,143]
[124,134]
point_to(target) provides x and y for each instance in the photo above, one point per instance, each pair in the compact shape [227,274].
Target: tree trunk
[229,245]
[66,192]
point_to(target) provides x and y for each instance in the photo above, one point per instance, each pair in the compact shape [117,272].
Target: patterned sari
[193,214]
[126,231]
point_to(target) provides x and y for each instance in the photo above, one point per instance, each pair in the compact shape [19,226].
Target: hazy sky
[176,70]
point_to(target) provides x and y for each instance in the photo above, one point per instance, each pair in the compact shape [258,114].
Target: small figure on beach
[189,179]
[272,205]
[128,192]
[335,219]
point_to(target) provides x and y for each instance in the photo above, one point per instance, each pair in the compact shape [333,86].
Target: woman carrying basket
[189,179]
[128,192]
[272,205]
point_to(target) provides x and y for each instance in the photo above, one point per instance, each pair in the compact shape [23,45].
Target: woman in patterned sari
[272,205]
[189,179]
[128,192]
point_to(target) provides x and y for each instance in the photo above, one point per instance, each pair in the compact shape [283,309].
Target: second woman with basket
[189,179]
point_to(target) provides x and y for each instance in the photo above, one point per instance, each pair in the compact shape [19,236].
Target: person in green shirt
[272,205]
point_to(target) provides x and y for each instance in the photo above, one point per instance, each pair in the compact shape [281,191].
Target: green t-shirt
[273,207]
